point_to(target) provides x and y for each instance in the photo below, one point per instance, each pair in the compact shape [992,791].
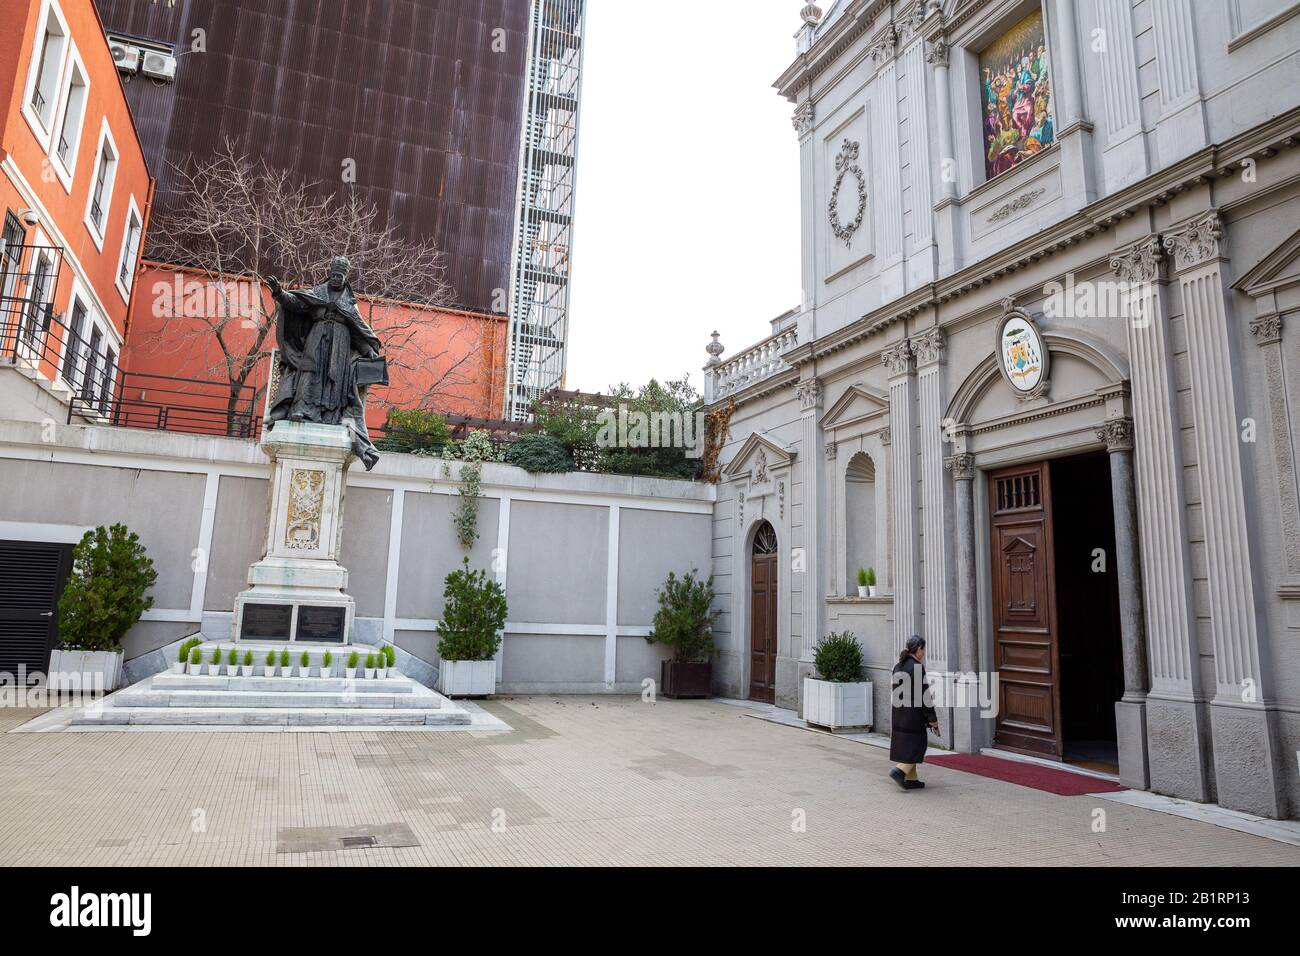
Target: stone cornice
[847,30]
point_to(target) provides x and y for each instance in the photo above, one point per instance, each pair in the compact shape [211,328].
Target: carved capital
[803,118]
[832,449]
[936,53]
[928,347]
[1267,329]
[898,359]
[809,393]
[884,48]
[910,24]
[1197,242]
[885,437]
[1117,433]
[962,467]
[1139,262]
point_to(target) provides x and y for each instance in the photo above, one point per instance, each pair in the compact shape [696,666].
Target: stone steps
[184,701]
[306,700]
[267,717]
[184,682]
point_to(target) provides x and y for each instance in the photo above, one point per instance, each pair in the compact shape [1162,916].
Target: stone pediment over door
[1274,277]
[855,407]
[761,468]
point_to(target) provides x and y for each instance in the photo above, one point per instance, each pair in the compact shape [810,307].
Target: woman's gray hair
[914,643]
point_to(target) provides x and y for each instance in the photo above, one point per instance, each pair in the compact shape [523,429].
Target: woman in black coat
[913,714]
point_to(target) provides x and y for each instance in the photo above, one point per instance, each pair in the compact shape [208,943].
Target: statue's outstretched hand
[274,284]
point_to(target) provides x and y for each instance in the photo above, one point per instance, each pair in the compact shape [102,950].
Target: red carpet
[1061,782]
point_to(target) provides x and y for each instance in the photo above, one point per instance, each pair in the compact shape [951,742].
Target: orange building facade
[198,357]
[75,193]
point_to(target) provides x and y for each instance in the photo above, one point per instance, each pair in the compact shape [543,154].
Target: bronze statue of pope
[329,356]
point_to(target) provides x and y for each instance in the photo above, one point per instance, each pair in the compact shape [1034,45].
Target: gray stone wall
[580,555]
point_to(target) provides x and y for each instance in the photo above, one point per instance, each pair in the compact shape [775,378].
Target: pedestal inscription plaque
[266,622]
[321,625]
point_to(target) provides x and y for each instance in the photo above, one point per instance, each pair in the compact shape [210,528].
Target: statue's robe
[321,336]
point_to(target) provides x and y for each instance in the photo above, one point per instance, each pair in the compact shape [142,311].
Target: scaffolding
[543,242]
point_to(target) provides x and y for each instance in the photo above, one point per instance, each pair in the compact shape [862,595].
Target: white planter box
[178,667]
[85,671]
[837,706]
[467,678]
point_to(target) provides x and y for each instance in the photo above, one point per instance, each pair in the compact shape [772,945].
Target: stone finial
[1196,242]
[811,14]
[714,349]
[1117,433]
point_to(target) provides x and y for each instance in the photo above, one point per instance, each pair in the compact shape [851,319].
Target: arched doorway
[762,614]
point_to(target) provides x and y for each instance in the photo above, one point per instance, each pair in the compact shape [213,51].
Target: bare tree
[234,219]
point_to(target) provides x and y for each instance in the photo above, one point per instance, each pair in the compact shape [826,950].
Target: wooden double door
[1025,637]
[763,583]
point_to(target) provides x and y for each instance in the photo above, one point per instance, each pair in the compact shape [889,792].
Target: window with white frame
[101,188]
[73,344]
[88,383]
[51,42]
[107,380]
[130,249]
[74,113]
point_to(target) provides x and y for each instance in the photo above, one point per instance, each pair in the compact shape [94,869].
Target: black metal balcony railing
[29,285]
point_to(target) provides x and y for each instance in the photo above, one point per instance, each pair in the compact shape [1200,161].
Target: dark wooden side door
[32,576]
[1025,648]
[762,616]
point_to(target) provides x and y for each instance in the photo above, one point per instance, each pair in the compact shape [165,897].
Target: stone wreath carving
[846,164]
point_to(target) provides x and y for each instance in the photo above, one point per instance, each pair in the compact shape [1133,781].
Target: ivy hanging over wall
[472,452]
[717,429]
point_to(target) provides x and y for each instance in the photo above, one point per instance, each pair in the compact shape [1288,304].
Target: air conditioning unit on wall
[159,66]
[125,56]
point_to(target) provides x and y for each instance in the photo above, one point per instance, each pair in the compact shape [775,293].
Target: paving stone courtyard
[577,780]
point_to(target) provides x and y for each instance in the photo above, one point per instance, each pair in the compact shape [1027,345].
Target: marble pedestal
[297,591]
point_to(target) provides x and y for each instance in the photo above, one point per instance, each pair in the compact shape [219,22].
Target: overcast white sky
[687,215]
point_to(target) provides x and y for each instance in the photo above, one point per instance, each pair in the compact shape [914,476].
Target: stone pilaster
[970,731]
[1266,330]
[928,348]
[1176,727]
[1245,744]
[1130,710]
[1180,124]
[920,252]
[811,462]
[889,196]
[900,362]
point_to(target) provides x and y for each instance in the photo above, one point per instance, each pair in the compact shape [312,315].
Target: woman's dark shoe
[913,784]
[898,777]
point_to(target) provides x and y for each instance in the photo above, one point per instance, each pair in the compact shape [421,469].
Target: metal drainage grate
[357,842]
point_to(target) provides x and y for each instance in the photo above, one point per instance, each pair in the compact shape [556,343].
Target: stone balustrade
[756,363]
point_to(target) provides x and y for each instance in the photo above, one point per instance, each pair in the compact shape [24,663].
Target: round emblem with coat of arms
[1022,355]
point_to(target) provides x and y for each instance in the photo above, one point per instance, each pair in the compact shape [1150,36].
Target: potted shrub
[304,665]
[473,614]
[248,664]
[214,665]
[871,582]
[232,662]
[183,655]
[391,654]
[370,666]
[381,663]
[326,664]
[103,599]
[195,666]
[350,671]
[838,698]
[863,589]
[284,663]
[684,622]
[269,667]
